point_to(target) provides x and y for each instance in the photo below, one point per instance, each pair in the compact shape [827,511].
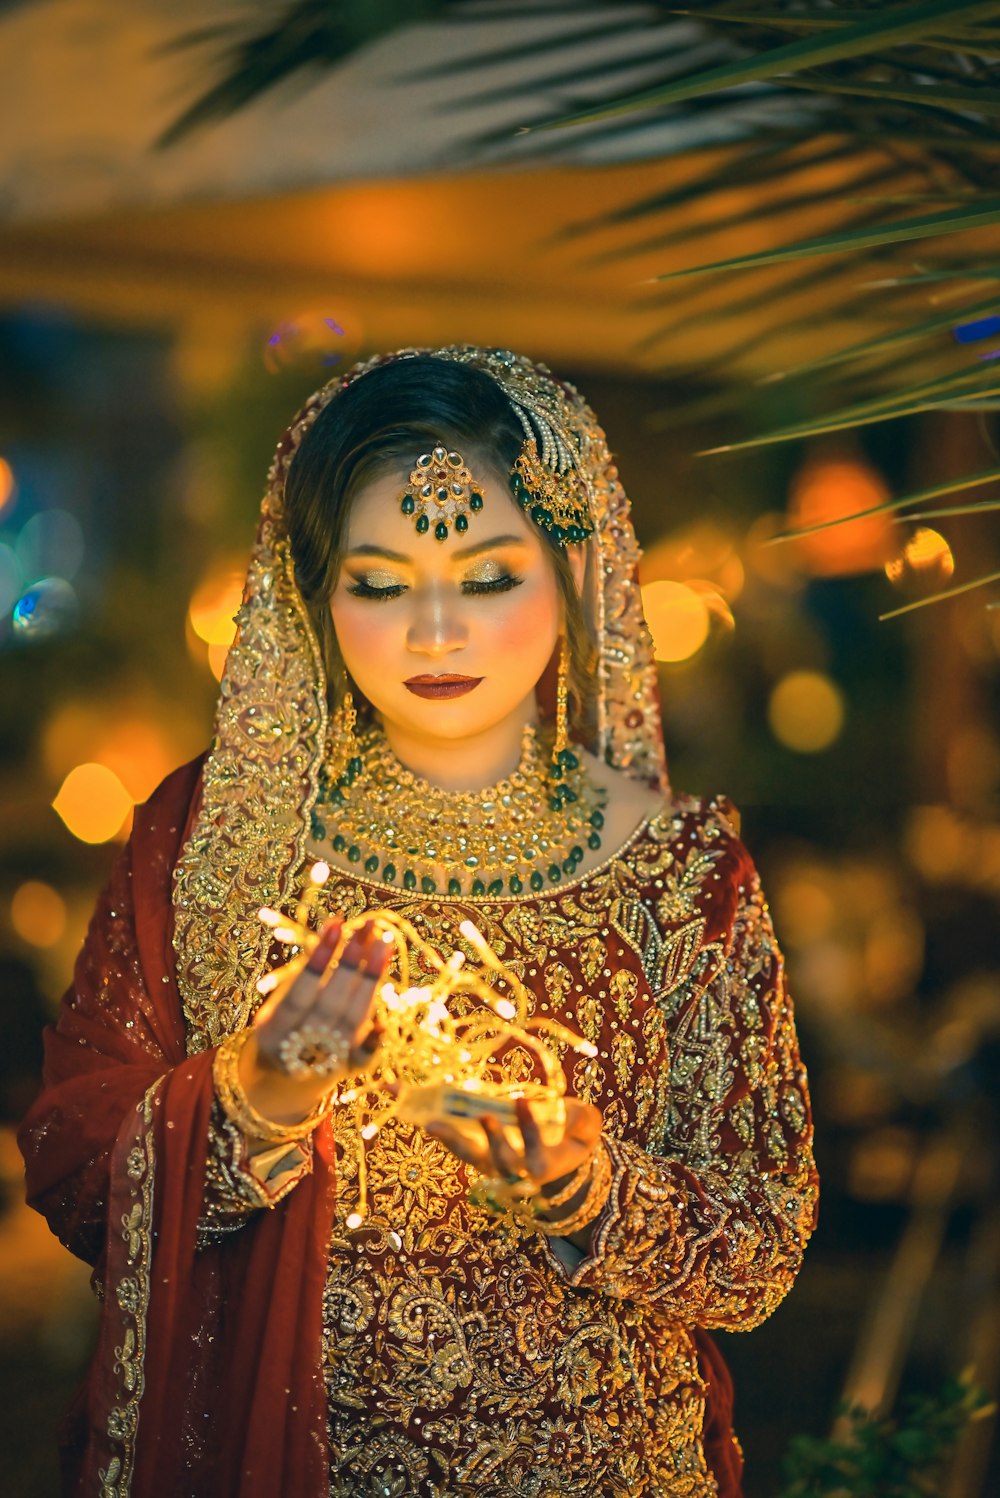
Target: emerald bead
[427,885]
[389,873]
[536,881]
[409,880]
[336,797]
[317,829]
[570,795]
[478,887]
[355,766]
[495,887]
[568,865]
[569,759]
[576,853]
[594,840]
[442,495]
[461,523]
[441,530]
[475,502]
[597,819]
[515,884]
[340,843]
[408,504]
[555,873]
[555,803]
[537,513]
[454,887]
[354,853]
[423,524]
[371,864]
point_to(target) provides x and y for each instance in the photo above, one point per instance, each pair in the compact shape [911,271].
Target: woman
[442,597]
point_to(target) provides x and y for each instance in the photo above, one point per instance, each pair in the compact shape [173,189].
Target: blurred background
[208,209]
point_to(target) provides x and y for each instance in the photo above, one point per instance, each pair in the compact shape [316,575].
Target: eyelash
[361,589]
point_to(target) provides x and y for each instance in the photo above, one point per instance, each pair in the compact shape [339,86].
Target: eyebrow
[459,556]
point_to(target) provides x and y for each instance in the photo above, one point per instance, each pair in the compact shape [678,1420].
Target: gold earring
[345,761]
[563,758]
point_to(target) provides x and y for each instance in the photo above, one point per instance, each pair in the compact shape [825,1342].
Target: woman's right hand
[336,1001]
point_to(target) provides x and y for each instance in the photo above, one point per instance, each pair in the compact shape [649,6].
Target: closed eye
[360,588]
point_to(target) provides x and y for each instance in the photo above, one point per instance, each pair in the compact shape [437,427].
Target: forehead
[376,518]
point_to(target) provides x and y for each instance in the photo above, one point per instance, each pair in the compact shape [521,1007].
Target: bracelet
[591,1205]
[576,1180]
[589,1208]
[238,1107]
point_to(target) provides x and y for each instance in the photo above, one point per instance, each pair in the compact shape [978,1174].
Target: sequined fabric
[461,1355]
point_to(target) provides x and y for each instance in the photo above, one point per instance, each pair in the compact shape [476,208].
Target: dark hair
[385,417]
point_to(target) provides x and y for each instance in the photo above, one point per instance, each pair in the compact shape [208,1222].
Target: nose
[436,628]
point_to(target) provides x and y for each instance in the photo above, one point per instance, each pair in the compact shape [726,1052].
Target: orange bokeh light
[215,601]
[7,483]
[925,561]
[678,618]
[38,913]
[93,803]
[806,711]
[826,489]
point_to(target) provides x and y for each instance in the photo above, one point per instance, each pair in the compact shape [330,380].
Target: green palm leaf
[885,28]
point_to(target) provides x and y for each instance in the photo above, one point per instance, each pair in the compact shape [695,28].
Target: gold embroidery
[131,1295]
[447,1334]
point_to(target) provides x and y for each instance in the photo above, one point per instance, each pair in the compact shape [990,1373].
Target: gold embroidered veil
[248,834]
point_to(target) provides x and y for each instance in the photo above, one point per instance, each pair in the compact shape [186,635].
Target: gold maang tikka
[441,491]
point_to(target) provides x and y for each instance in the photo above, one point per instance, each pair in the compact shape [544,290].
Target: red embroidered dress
[251,1344]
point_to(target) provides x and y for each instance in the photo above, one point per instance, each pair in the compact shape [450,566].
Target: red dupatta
[207,1377]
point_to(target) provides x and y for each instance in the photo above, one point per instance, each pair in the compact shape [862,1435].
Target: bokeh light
[8,484]
[678,618]
[50,545]
[46,609]
[215,601]
[93,803]
[925,562]
[308,338]
[38,913]
[826,489]
[11,581]
[806,711]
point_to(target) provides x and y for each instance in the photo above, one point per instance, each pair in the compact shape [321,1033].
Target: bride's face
[410,612]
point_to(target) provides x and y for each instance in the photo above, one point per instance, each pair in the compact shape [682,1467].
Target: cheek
[528,624]
[364,630]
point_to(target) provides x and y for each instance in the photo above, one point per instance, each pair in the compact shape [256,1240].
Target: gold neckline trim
[529,898]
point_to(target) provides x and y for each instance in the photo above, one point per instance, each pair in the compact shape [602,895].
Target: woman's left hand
[546,1167]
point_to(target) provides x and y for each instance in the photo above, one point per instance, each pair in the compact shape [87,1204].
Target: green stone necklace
[526,831]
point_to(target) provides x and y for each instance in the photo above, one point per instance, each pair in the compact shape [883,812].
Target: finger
[291,1006]
[319,957]
[506,1159]
[534,1150]
[460,1145]
[584,1122]
[366,1049]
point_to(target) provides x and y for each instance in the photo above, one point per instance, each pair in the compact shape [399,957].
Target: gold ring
[314,1049]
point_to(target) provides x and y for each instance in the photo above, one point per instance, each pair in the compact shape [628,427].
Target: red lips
[445,685]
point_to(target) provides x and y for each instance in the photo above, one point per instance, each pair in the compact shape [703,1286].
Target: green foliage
[877,89]
[883,1457]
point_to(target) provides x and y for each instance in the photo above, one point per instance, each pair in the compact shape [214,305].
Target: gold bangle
[238,1107]
[576,1180]
[589,1208]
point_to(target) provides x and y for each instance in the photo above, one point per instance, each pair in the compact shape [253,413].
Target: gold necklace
[515,835]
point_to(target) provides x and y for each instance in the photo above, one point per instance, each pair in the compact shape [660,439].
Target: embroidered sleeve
[241,1178]
[711,1230]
